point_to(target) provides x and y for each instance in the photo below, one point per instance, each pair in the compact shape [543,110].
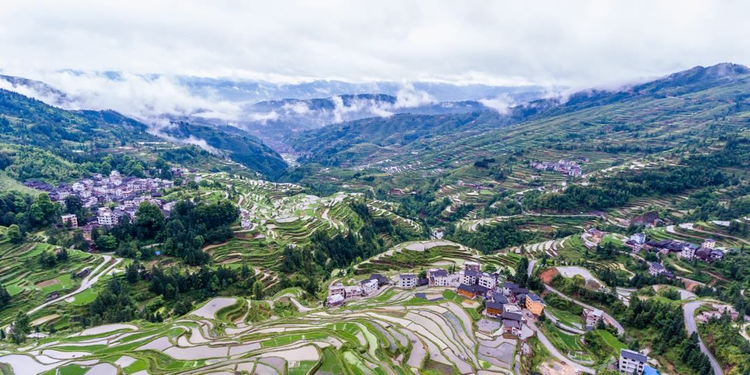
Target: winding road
[562,325]
[86,283]
[688,311]
[556,353]
[607,318]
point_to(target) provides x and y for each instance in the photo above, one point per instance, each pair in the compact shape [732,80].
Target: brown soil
[552,367]
[47,283]
[548,275]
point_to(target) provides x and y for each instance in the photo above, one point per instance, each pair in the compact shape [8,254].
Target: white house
[105,217]
[638,238]
[709,243]
[407,280]
[471,266]
[688,252]
[470,277]
[369,286]
[632,362]
[438,277]
[487,280]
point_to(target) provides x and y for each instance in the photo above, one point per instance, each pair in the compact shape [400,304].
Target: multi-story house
[487,280]
[407,280]
[632,362]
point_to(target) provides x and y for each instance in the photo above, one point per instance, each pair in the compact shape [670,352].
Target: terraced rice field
[22,275]
[220,337]
[410,255]
[275,215]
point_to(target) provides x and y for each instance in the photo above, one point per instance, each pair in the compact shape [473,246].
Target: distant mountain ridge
[27,121]
[355,141]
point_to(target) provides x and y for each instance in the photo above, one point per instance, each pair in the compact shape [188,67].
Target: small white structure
[709,243]
[632,362]
[487,280]
[471,266]
[688,252]
[70,218]
[105,217]
[369,286]
[335,300]
[638,238]
[408,280]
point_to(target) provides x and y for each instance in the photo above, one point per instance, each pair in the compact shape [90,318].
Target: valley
[559,237]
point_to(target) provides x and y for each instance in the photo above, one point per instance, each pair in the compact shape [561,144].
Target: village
[110,198]
[566,167]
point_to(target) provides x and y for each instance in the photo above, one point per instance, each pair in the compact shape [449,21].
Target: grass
[565,316]
[453,296]
[611,340]
[63,282]
[139,365]
[302,368]
[85,297]
[331,362]
[563,340]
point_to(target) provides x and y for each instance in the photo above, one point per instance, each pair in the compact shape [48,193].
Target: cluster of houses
[566,167]
[99,192]
[502,301]
[706,252]
[717,312]
[650,219]
[99,189]
[592,237]
[339,293]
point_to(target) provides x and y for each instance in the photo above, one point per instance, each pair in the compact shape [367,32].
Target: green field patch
[84,298]
[611,340]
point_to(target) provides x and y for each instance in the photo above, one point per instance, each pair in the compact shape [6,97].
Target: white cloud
[408,97]
[263,118]
[144,98]
[576,43]
[500,103]
[299,108]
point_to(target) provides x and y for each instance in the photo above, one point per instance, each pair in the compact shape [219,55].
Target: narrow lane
[607,318]
[86,283]
[556,353]
[689,312]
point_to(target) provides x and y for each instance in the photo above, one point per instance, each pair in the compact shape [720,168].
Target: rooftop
[630,354]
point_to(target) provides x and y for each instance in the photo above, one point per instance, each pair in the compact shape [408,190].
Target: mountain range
[353,128]
[653,115]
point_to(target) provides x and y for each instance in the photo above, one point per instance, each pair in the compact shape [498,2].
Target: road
[607,318]
[86,283]
[555,353]
[688,311]
[532,263]
[562,325]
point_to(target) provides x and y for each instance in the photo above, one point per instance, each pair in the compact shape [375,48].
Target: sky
[569,43]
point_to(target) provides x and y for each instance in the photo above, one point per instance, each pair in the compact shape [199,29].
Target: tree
[149,220]
[4,297]
[132,272]
[14,234]
[20,328]
[43,211]
[258,290]
[106,243]
[522,275]
[73,204]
